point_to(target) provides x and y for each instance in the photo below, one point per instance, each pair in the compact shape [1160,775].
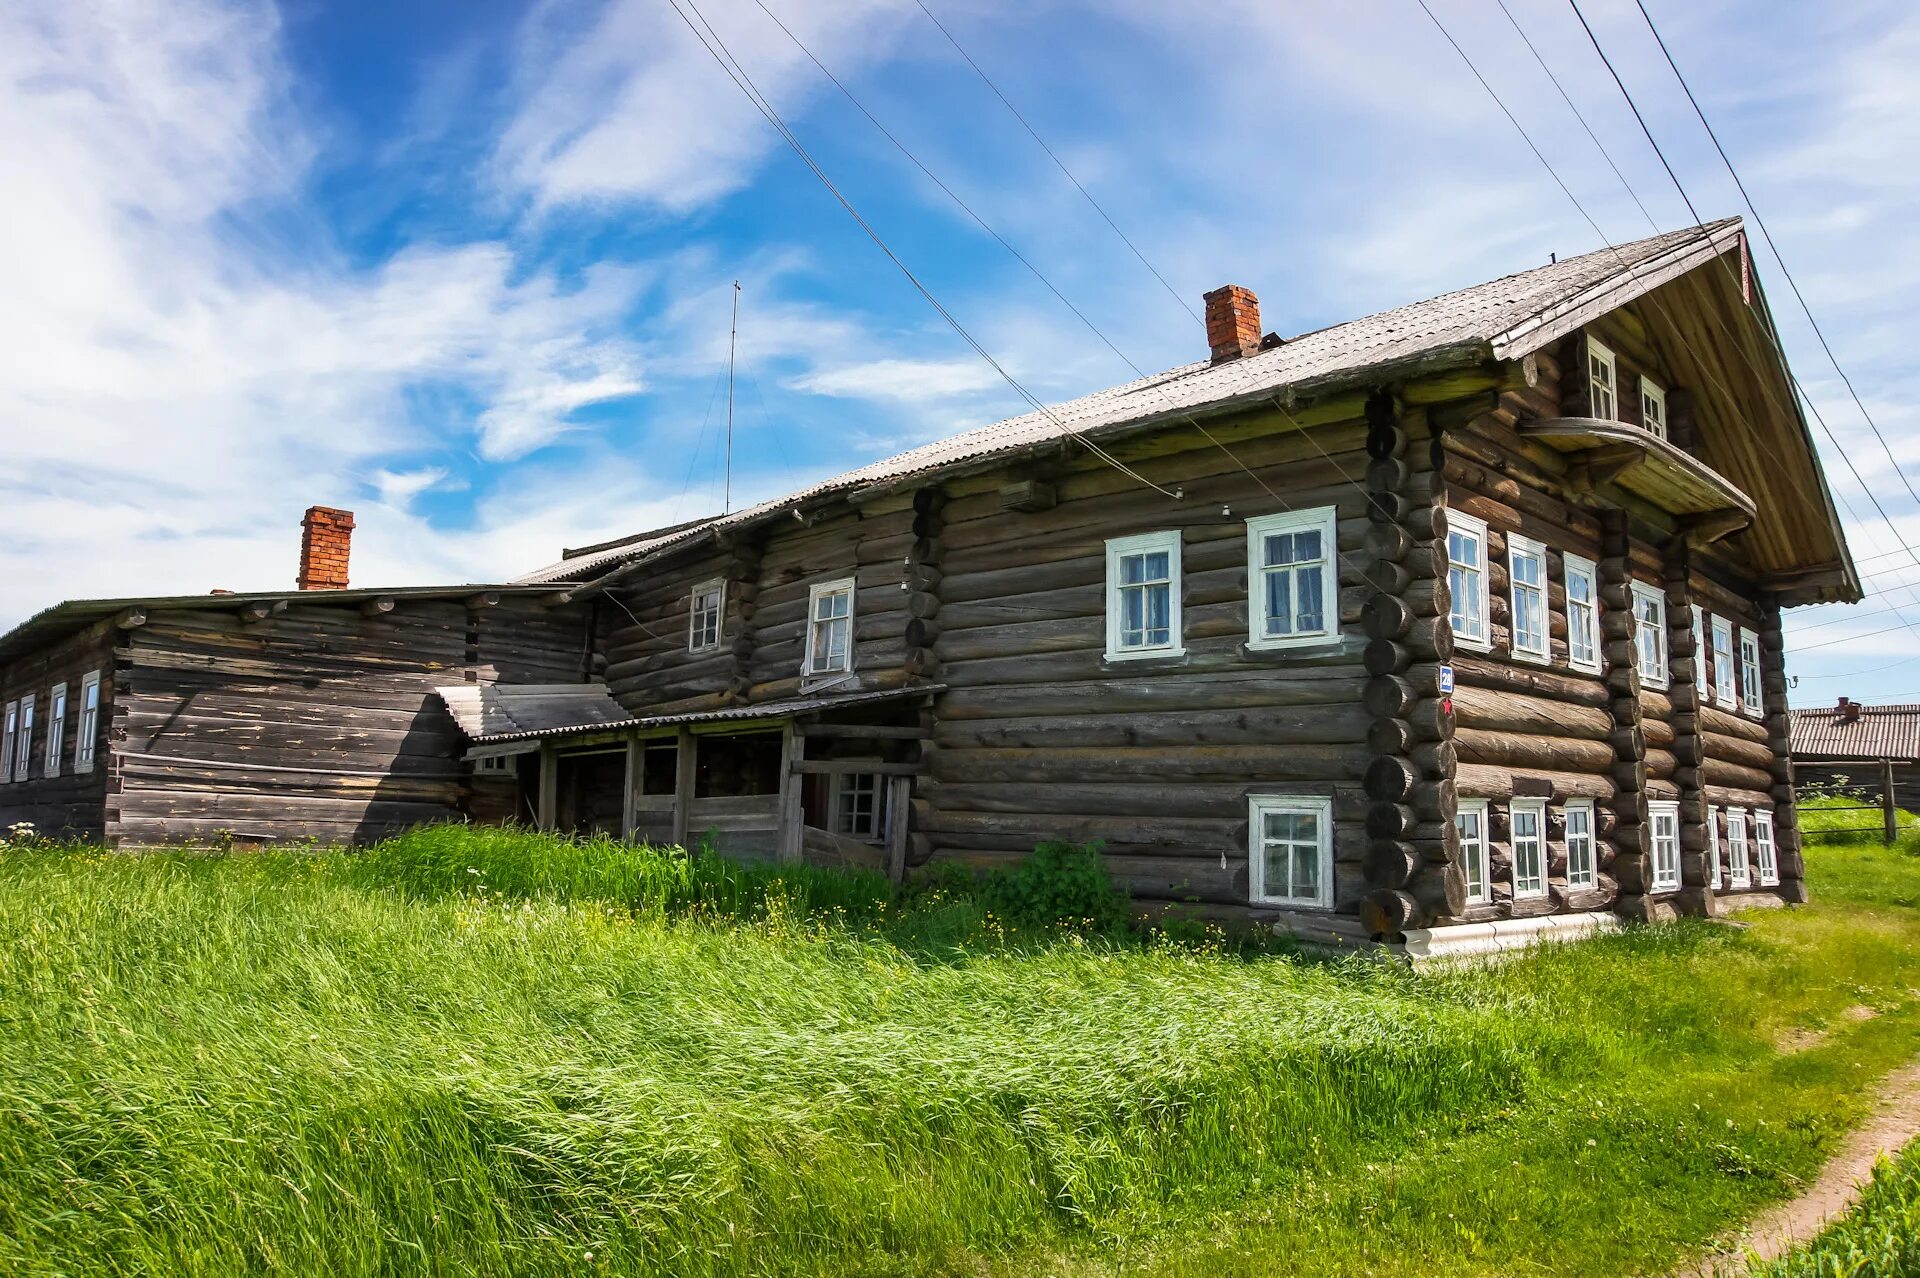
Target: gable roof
[1505,318]
[1880,732]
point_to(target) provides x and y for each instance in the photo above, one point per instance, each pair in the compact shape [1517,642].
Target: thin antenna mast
[733,342]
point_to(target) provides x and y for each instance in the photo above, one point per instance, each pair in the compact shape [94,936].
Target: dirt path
[1895,1122]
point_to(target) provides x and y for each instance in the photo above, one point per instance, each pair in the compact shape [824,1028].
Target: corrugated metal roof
[541,710]
[1504,318]
[1880,732]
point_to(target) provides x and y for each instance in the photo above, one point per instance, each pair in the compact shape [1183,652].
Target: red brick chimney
[1849,711]
[1233,322]
[326,535]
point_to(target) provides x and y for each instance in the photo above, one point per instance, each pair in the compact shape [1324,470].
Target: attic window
[830,628]
[703,628]
[1603,400]
[1653,407]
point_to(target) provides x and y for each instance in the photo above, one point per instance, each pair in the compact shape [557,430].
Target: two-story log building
[1449,627]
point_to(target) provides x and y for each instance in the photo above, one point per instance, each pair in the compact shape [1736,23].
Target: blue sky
[466,269]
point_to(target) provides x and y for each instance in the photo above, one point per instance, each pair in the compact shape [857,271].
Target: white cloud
[914,380]
[633,108]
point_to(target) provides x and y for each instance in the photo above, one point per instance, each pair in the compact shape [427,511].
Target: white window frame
[844,585]
[1321,519]
[1119,548]
[1713,847]
[87,730]
[1533,883]
[1739,869]
[1475,862]
[1653,407]
[1259,807]
[837,806]
[23,746]
[1765,849]
[1599,353]
[56,727]
[696,615]
[1480,637]
[1725,693]
[1581,568]
[1664,848]
[1526,548]
[7,737]
[1588,876]
[1751,698]
[1654,672]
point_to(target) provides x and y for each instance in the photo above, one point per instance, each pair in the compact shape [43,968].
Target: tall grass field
[487,1052]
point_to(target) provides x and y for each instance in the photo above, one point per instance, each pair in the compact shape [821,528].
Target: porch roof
[493,714]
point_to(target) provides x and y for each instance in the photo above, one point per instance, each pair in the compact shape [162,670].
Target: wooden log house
[1447,629]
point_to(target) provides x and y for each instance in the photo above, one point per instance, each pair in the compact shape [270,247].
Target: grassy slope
[339,1065]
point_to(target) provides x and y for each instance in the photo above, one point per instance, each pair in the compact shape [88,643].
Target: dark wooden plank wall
[70,805]
[320,723]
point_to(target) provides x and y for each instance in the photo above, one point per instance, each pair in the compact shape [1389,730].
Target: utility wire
[1058,162]
[1774,248]
[717,48]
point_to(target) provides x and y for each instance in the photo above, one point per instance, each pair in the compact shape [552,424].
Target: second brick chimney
[326,537]
[1233,322]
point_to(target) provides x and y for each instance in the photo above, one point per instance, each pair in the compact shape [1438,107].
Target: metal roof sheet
[508,712]
[1504,318]
[1880,732]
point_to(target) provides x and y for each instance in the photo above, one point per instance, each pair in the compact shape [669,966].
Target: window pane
[1306,871]
[1279,603]
[1311,583]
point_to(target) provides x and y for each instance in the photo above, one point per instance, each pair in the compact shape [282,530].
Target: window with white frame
[1294,571]
[1583,614]
[1750,672]
[1527,578]
[1713,847]
[1583,869]
[1738,873]
[1724,691]
[1528,821]
[1764,849]
[1650,633]
[7,738]
[1602,394]
[857,805]
[709,606]
[830,628]
[87,731]
[1471,821]
[1665,816]
[1702,676]
[1467,577]
[1143,596]
[23,743]
[56,727]
[499,763]
[1292,850]
[1653,407]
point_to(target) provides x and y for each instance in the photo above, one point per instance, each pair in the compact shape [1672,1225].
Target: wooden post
[1888,811]
[683,778]
[899,803]
[790,834]
[548,809]
[630,792]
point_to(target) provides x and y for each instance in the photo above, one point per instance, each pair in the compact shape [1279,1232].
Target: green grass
[1837,819]
[1878,1238]
[485,1052]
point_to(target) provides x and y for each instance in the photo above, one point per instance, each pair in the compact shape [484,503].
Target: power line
[717,48]
[1058,162]
[1774,248]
